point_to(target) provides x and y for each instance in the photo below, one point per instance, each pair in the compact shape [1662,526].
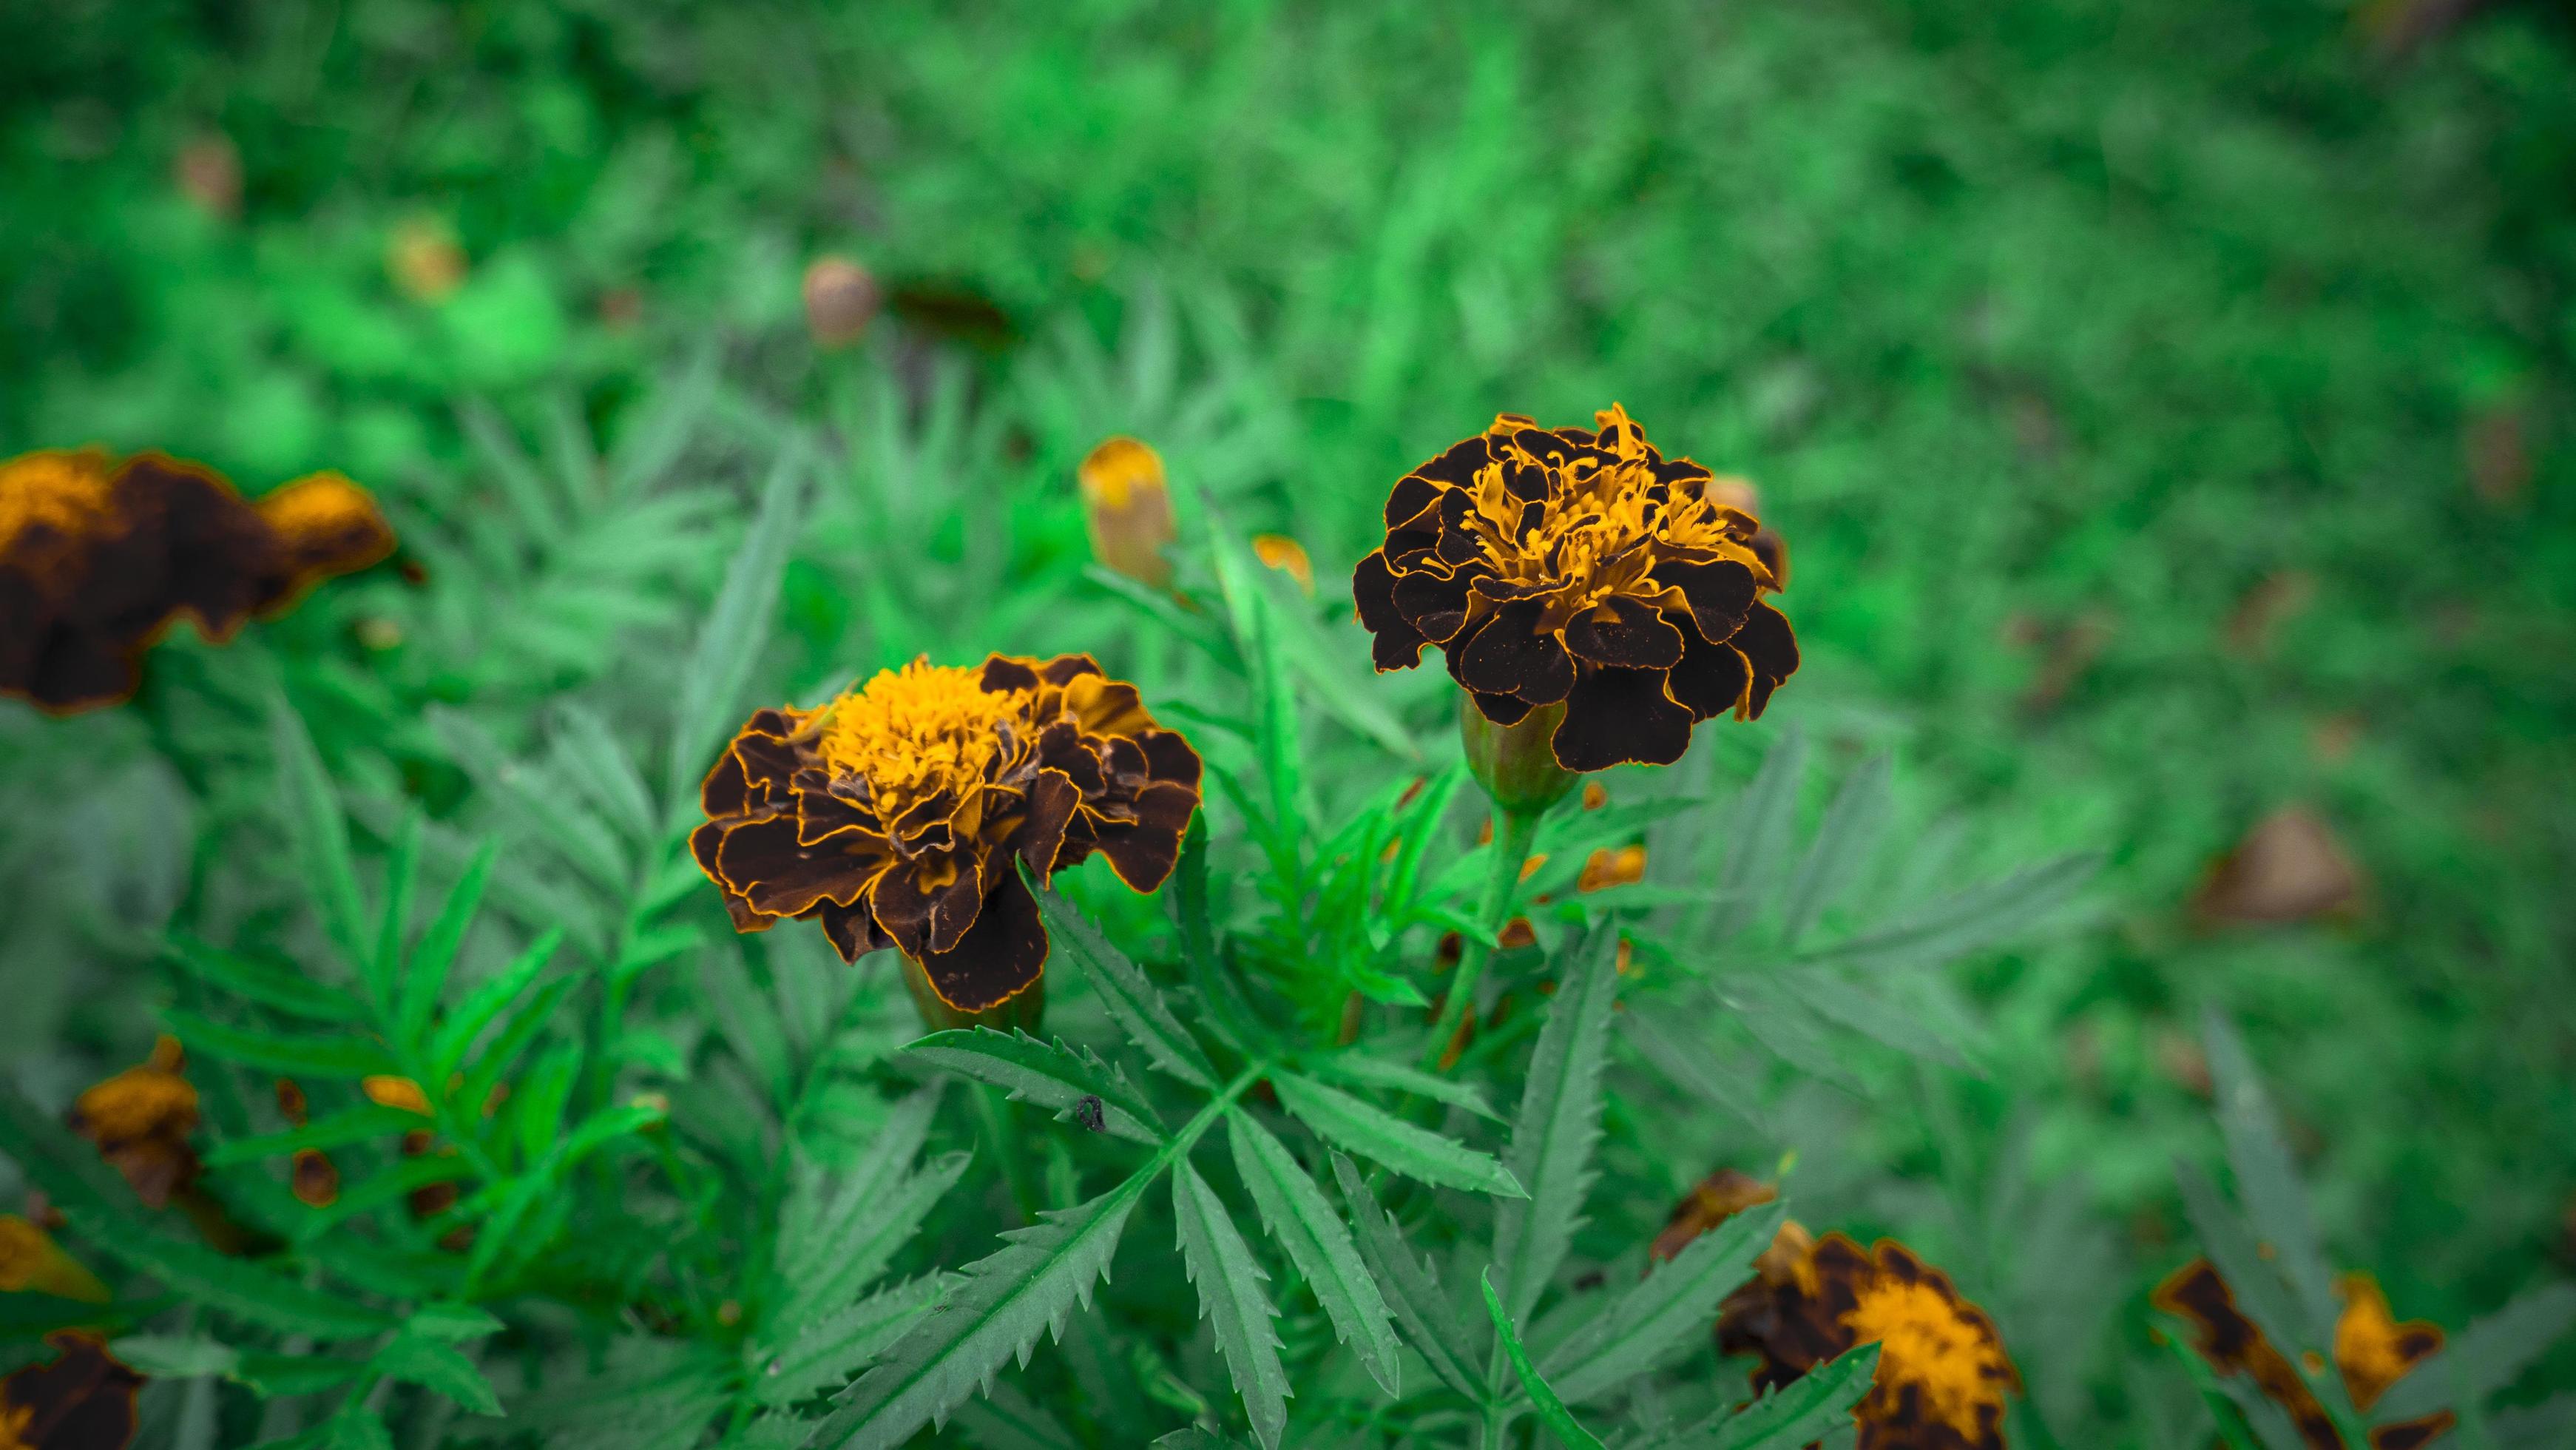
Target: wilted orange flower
[1579,568]
[1943,1375]
[98,558]
[1127,504]
[1606,868]
[395,1092]
[895,813]
[30,1259]
[1286,555]
[82,1400]
[141,1120]
[2372,1351]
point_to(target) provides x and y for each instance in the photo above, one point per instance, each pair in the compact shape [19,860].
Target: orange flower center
[62,491]
[1926,1342]
[921,732]
[1601,528]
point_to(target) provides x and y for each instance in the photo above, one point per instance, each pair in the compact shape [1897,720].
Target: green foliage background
[2034,320]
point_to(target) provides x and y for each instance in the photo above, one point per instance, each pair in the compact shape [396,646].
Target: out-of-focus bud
[317,1181]
[424,260]
[1515,763]
[1287,556]
[209,173]
[2290,867]
[396,1092]
[1737,492]
[841,299]
[1129,508]
[30,1259]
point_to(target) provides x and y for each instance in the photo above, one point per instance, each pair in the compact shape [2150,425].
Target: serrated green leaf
[425,972]
[737,627]
[319,834]
[296,1056]
[393,917]
[1763,820]
[486,1002]
[436,1365]
[517,1032]
[1051,1075]
[356,1427]
[1691,1066]
[1844,840]
[175,1357]
[1139,1010]
[1216,1258]
[839,1344]
[1803,1409]
[1374,1133]
[606,775]
[452,1323]
[2258,1287]
[1362,1069]
[1558,1124]
[1861,1008]
[2267,1182]
[1674,1304]
[280,989]
[1002,1418]
[1968,920]
[996,1312]
[1318,1243]
[1412,1291]
[1552,1412]
[356,1125]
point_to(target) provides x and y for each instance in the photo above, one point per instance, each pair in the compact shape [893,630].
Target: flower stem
[990,1106]
[1513,831]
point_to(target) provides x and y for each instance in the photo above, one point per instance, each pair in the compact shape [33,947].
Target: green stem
[1513,832]
[995,1113]
[1188,1137]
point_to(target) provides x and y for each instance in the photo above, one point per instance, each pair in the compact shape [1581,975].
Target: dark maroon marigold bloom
[1579,567]
[98,559]
[898,814]
[82,1399]
[2372,1351]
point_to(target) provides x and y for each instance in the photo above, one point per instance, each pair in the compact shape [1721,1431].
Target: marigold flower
[1712,1201]
[1127,504]
[1579,568]
[894,814]
[98,558]
[141,1120]
[82,1400]
[1943,1375]
[2372,1351]
[30,1259]
[424,261]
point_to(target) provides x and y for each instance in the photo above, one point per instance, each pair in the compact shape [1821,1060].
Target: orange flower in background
[83,1399]
[1578,568]
[1606,868]
[1280,552]
[1943,1376]
[315,1181]
[1127,505]
[98,558]
[31,1260]
[141,1120]
[897,814]
[2372,1351]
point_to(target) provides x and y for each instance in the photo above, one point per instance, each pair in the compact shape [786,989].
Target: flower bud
[1128,506]
[209,173]
[424,260]
[1514,763]
[841,299]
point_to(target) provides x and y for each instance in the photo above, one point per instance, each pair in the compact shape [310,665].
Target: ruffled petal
[1624,632]
[1000,958]
[1618,717]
